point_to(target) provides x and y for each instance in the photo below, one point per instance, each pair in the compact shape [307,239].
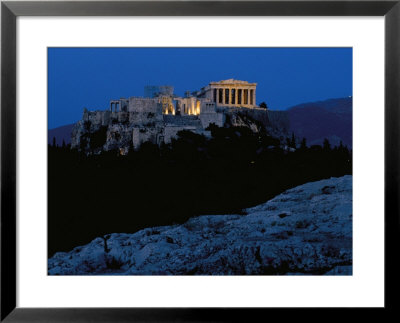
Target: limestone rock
[314,238]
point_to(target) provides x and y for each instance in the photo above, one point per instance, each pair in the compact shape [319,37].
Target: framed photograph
[182,160]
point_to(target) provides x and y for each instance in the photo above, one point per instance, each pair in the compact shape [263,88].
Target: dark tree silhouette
[303,144]
[341,146]
[326,145]
[288,142]
[293,141]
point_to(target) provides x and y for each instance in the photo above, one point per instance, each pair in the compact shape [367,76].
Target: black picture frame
[10,10]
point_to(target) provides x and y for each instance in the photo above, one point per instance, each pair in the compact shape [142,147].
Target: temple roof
[232,81]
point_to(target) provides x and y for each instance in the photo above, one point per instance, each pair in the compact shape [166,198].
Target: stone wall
[207,107]
[144,111]
[172,131]
[145,121]
[185,120]
[143,134]
[208,118]
[209,115]
[142,105]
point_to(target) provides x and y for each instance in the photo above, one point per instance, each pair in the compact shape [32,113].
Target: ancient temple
[231,93]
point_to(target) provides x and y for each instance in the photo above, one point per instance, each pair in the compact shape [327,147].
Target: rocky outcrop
[275,123]
[305,230]
[110,130]
[143,121]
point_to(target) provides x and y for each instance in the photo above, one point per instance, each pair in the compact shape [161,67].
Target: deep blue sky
[91,77]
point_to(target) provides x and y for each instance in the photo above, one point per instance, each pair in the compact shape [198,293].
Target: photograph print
[200,161]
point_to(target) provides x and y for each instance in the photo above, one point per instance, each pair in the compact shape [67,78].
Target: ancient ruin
[160,115]
[230,93]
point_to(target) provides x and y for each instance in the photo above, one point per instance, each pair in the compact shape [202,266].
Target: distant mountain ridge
[331,119]
[60,134]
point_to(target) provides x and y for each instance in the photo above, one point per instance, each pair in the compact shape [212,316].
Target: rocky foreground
[305,230]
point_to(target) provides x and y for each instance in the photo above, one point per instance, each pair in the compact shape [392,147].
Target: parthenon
[231,93]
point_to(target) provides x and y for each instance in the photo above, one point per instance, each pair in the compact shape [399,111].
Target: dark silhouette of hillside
[330,119]
[90,196]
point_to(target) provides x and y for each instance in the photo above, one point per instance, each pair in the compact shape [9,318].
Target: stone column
[250,97]
[224,98]
[217,102]
[254,97]
[236,96]
[223,95]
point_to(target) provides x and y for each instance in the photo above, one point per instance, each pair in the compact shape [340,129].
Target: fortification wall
[142,105]
[207,118]
[143,134]
[172,131]
[99,117]
[144,111]
[183,120]
[207,107]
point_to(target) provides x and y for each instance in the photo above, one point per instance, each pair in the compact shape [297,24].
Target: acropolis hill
[160,115]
